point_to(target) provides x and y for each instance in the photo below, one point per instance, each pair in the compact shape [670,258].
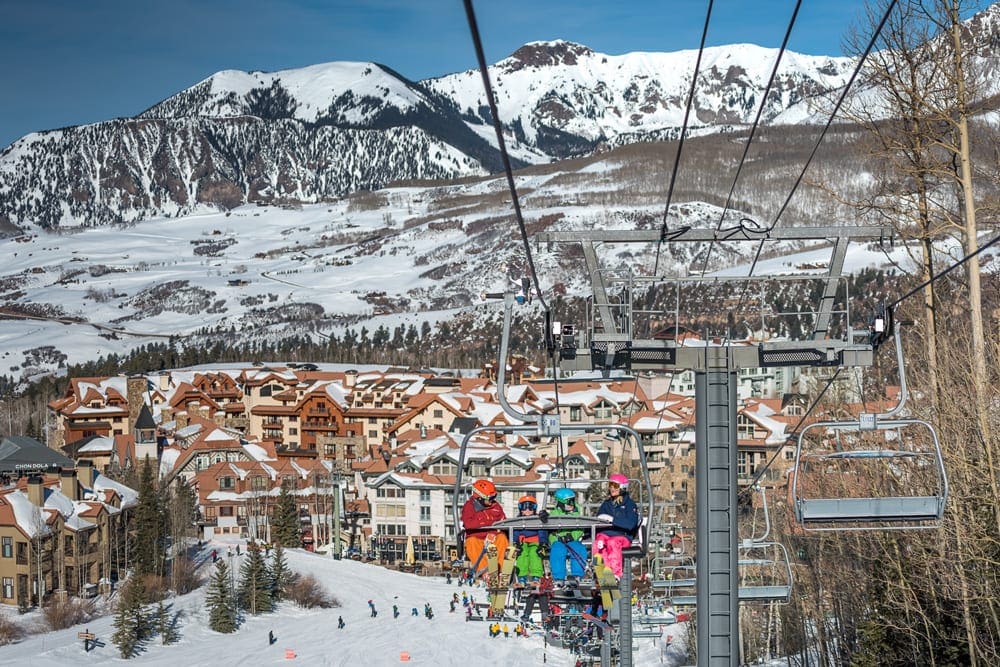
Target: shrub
[186,576]
[155,587]
[10,631]
[306,591]
[64,612]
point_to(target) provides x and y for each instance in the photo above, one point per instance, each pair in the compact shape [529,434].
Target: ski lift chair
[765,572]
[877,472]
[890,475]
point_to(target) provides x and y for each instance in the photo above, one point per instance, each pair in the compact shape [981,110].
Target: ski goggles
[527,506]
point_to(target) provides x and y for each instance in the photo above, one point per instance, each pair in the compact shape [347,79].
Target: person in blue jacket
[623,514]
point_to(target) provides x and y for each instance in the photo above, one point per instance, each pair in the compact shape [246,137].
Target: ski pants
[529,563]
[560,551]
[475,546]
[610,548]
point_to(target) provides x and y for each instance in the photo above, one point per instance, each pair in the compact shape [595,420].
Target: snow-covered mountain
[321,132]
[565,99]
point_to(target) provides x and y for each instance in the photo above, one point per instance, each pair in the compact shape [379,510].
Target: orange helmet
[484,488]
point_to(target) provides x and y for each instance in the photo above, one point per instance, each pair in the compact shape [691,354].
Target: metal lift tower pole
[715,497]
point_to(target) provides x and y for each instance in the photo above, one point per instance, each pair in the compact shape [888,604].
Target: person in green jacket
[565,544]
[530,542]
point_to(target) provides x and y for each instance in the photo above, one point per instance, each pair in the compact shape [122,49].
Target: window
[443,468]
[372,433]
[225,510]
[603,411]
[425,513]
[506,469]
[575,413]
[293,431]
[438,414]
[8,588]
[741,466]
[7,547]
[425,495]
[389,492]
[227,483]
[425,530]
[258,482]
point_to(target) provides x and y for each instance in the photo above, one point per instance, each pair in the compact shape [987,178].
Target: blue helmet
[565,495]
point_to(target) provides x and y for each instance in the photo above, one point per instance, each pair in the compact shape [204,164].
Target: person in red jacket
[479,512]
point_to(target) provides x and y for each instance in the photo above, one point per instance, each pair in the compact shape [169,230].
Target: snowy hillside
[312,635]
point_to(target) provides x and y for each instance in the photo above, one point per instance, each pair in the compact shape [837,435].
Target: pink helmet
[619,479]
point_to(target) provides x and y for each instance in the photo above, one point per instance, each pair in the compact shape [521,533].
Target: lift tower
[614,338]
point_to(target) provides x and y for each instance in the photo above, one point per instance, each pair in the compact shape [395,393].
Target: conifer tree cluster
[256,589]
[260,586]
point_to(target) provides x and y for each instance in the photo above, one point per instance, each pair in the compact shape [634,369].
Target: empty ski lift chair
[878,472]
[765,572]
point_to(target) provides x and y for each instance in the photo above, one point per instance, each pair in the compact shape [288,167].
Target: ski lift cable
[680,143]
[836,109]
[760,471]
[504,156]
[948,270]
[488,87]
[822,136]
[753,130]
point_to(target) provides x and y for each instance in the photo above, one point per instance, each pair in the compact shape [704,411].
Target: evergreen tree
[281,576]
[131,624]
[255,582]
[165,624]
[285,527]
[219,599]
[149,525]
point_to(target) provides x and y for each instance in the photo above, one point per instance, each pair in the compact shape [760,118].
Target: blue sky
[69,62]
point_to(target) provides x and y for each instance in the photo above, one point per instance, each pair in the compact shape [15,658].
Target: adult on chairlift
[565,544]
[479,512]
[619,509]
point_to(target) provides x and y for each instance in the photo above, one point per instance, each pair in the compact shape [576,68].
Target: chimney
[350,378]
[68,485]
[135,392]
[86,473]
[36,491]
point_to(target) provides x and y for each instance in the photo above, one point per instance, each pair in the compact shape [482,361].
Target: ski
[500,577]
[608,584]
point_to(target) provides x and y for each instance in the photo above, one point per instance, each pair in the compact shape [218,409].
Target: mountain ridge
[318,133]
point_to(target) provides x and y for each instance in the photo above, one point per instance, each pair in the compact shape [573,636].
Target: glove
[544,516]
[605,517]
[543,551]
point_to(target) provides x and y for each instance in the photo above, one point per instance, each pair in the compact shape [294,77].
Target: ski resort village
[369,457]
